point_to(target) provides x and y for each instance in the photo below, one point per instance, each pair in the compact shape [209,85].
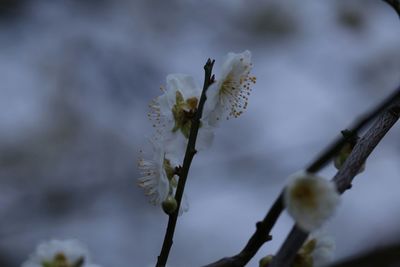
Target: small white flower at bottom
[159,179]
[324,249]
[310,200]
[57,253]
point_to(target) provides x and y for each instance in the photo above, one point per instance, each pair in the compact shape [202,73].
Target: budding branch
[263,228]
[184,170]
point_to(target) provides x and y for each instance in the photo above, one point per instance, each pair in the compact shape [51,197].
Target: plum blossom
[310,200]
[154,178]
[159,179]
[228,97]
[323,252]
[173,111]
[60,253]
[317,251]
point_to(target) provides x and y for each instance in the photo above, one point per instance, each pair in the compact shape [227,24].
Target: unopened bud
[169,205]
[264,262]
[342,156]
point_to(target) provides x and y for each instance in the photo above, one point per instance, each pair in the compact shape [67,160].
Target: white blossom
[324,249]
[228,96]
[310,200]
[317,251]
[57,253]
[154,178]
[159,179]
[172,112]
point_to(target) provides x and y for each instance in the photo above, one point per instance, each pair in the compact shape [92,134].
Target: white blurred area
[76,78]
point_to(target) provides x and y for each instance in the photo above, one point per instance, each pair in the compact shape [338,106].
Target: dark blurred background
[76,78]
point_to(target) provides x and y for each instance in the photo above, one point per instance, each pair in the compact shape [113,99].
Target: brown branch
[349,170]
[395,4]
[259,237]
[184,170]
[383,257]
[343,177]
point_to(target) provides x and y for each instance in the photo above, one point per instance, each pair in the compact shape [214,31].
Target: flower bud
[342,156]
[169,205]
[345,151]
[264,262]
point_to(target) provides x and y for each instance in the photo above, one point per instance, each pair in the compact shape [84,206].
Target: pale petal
[205,138]
[184,205]
[183,83]
[310,200]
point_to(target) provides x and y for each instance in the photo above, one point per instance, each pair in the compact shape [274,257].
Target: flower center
[183,112]
[303,192]
[60,260]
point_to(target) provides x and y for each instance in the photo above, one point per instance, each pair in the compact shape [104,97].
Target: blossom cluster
[172,115]
[317,251]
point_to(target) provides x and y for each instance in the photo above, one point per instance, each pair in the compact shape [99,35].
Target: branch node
[349,186]
[212,80]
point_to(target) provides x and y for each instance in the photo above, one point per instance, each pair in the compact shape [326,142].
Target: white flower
[228,97]
[57,253]
[172,112]
[310,200]
[324,249]
[155,180]
[316,252]
[159,179]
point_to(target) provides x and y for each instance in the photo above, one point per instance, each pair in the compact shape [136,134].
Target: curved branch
[383,256]
[395,4]
[259,237]
[343,177]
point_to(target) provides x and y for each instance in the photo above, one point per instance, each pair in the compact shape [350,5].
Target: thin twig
[343,177]
[259,237]
[190,152]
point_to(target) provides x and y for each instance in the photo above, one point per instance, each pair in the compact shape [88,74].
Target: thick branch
[343,178]
[190,152]
[334,148]
[259,237]
[383,257]
[395,4]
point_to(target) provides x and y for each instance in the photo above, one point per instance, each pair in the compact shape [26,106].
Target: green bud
[308,247]
[169,205]
[342,156]
[303,260]
[264,262]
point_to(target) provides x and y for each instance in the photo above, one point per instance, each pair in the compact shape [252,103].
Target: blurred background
[76,78]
